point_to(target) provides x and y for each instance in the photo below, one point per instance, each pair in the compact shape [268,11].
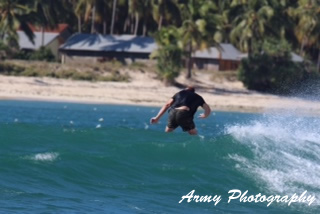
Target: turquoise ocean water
[88,158]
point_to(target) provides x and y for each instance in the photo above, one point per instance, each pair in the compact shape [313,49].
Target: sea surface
[90,158]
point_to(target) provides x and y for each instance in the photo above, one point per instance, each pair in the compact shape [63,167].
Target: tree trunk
[104,24]
[189,73]
[113,16]
[319,61]
[304,41]
[249,48]
[160,22]
[144,28]
[104,27]
[93,19]
[131,22]
[79,24]
[42,36]
[126,23]
[137,24]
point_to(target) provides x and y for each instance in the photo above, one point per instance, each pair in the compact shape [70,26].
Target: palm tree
[95,11]
[15,14]
[251,24]
[198,27]
[79,10]
[307,15]
[88,9]
[165,11]
[134,9]
[168,54]
[113,15]
[47,14]
[146,16]
[225,26]
[92,6]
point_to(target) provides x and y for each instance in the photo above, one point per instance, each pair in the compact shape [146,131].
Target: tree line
[247,24]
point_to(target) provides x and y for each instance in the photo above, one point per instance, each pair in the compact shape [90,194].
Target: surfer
[182,107]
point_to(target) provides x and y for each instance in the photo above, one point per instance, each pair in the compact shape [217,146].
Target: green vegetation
[45,70]
[43,54]
[169,63]
[273,70]
[198,24]
[268,74]
[168,55]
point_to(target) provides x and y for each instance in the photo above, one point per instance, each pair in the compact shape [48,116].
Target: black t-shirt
[189,99]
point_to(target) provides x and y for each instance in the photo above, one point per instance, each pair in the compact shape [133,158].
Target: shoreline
[235,109]
[147,91]
[240,109]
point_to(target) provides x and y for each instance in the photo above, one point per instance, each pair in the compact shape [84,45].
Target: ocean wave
[284,152]
[48,156]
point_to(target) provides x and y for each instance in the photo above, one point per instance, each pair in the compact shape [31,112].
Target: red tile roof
[60,28]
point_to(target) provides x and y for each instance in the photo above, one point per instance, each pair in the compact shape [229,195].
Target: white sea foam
[146,126]
[48,156]
[285,152]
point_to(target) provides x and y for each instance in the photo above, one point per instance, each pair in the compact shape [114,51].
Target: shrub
[6,51]
[24,55]
[169,63]
[273,70]
[31,72]
[272,74]
[169,54]
[84,76]
[10,69]
[43,54]
[137,65]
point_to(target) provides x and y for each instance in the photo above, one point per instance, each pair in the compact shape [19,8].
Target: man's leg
[169,129]
[193,132]
[187,124]
[172,123]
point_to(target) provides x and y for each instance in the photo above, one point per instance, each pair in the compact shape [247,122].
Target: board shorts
[182,118]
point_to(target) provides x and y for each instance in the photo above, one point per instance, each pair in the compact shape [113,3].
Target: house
[131,48]
[296,57]
[97,47]
[225,57]
[50,38]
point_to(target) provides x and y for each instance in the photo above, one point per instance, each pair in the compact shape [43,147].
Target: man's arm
[207,111]
[161,112]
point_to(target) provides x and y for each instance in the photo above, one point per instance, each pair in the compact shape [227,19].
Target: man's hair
[190,88]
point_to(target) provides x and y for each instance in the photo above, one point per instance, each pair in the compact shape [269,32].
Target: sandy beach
[145,89]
